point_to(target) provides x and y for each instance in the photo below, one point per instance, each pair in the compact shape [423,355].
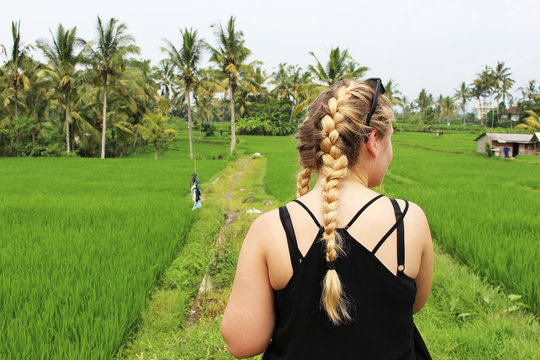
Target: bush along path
[465,317]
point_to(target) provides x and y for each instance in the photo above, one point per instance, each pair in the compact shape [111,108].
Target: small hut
[509,145]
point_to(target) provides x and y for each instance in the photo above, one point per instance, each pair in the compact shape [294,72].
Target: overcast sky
[419,44]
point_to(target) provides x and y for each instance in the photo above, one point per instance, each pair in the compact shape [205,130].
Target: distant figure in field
[195,192]
[339,272]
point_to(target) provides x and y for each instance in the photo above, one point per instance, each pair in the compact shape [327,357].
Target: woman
[338,273]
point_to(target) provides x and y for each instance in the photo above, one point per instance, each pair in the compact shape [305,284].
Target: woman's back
[380,300]
[335,285]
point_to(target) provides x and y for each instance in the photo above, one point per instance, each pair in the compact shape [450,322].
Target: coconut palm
[448,108]
[186,59]
[340,65]
[108,60]
[530,91]
[230,54]
[392,93]
[462,94]
[62,71]
[289,82]
[156,130]
[502,81]
[14,69]
[14,72]
[531,122]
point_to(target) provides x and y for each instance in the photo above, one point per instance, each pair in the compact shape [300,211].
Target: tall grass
[82,243]
[282,162]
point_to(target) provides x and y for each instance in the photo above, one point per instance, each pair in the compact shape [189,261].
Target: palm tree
[230,55]
[392,93]
[186,59]
[340,65]
[113,45]
[424,102]
[156,130]
[502,81]
[530,91]
[531,122]
[62,68]
[462,94]
[14,66]
[448,107]
[289,82]
[16,80]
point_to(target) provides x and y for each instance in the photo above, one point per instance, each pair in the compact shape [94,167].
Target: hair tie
[331,265]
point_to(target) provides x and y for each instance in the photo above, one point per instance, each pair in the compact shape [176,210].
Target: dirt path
[230,217]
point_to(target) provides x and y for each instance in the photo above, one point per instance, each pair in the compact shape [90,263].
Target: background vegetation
[96,98]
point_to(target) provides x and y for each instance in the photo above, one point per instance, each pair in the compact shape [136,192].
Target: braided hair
[329,143]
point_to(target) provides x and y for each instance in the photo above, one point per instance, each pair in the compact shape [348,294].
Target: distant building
[483,109]
[509,145]
[512,114]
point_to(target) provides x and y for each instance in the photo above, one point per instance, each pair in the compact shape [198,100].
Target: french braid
[302,186]
[329,140]
[334,168]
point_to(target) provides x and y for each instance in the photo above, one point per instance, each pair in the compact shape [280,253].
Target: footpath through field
[465,318]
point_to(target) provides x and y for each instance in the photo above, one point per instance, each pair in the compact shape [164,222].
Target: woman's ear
[373,143]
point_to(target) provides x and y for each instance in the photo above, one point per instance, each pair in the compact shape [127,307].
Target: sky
[433,45]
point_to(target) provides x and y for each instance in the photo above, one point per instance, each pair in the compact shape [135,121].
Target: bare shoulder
[264,227]
[417,214]
[265,222]
[416,222]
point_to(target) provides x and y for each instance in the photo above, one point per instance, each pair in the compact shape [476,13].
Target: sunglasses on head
[376,83]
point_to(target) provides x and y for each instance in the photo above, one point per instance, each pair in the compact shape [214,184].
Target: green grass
[483,211]
[454,143]
[282,163]
[83,242]
[165,332]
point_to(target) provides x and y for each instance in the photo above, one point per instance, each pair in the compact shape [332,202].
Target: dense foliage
[89,97]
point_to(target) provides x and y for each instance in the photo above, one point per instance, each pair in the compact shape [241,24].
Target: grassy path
[465,318]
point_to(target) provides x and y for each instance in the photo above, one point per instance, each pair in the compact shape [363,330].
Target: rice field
[83,242]
[483,211]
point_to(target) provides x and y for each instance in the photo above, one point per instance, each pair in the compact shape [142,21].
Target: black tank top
[380,303]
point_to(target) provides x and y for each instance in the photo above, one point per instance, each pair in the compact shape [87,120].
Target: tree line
[96,99]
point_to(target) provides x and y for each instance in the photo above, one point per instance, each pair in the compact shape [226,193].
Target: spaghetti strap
[294,252]
[362,210]
[400,235]
[309,212]
[399,220]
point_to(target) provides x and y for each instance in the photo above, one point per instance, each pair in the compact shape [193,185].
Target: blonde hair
[329,143]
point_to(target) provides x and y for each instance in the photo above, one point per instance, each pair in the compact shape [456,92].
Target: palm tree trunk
[66,103]
[104,128]
[233,133]
[190,127]
[15,121]
[15,104]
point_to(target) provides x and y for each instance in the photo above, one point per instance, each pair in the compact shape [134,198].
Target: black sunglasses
[376,83]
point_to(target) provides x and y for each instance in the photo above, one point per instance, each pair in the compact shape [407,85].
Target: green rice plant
[83,243]
[454,143]
[282,162]
[483,212]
